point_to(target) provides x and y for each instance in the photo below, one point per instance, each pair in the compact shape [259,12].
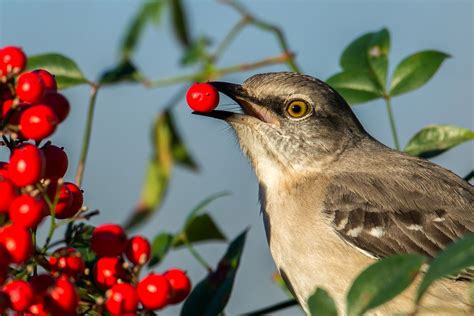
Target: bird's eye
[297,109]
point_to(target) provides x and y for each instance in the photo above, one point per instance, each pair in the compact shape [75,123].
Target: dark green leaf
[202,206]
[381,282]
[158,172]
[149,11]
[179,151]
[455,258]
[65,70]
[124,71]
[378,50]
[210,296]
[354,57]
[436,139]
[416,70]
[197,51]
[160,247]
[355,86]
[201,228]
[180,24]
[321,304]
[78,236]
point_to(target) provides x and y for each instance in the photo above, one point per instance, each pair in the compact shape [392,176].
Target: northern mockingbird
[334,199]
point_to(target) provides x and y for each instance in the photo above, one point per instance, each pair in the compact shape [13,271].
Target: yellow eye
[297,109]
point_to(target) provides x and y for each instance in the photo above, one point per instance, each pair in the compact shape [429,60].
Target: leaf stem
[268,27]
[220,71]
[196,254]
[87,134]
[392,122]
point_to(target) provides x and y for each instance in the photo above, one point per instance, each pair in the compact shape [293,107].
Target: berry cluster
[48,280]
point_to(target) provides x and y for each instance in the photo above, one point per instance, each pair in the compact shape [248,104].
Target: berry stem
[87,135]
[196,254]
[282,58]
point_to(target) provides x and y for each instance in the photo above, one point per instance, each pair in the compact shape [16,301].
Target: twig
[273,308]
[221,71]
[196,254]
[229,38]
[392,122]
[87,135]
[265,26]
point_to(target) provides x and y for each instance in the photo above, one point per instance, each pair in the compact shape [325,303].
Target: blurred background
[317,31]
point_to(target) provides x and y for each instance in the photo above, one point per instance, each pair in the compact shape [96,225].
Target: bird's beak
[250,107]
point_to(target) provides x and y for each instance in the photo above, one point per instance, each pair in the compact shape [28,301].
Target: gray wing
[413,207]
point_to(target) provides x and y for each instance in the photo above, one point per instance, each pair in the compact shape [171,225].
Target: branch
[273,308]
[220,71]
[265,26]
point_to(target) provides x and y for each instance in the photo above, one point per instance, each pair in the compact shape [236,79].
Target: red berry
[108,240]
[38,122]
[3,302]
[58,103]
[108,270]
[153,291]
[3,265]
[48,79]
[56,162]
[67,261]
[26,165]
[180,284]
[202,97]
[20,295]
[27,211]
[7,193]
[30,87]
[62,298]
[61,211]
[138,250]
[41,284]
[17,242]
[12,60]
[122,299]
[37,309]
[7,105]
[14,118]
[77,199]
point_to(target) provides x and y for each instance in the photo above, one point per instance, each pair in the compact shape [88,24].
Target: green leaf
[65,70]
[436,139]
[378,50]
[150,11]
[381,282]
[123,72]
[160,247]
[355,86]
[179,150]
[453,259]
[201,228]
[158,172]
[180,24]
[202,206]
[321,304]
[354,56]
[210,296]
[197,51]
[416,70]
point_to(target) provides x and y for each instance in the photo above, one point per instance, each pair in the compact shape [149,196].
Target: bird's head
[290,122]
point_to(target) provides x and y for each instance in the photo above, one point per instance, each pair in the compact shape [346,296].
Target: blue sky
[318,31]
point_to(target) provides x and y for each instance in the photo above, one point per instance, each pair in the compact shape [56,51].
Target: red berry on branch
[27,211]
[122,299]
[48,79]
[67,261]
[138,250]
[56,162]
[40,284]
[58,103]
[26,165]
[7,193]
[153,291]
[12,60]
[77,199]
[30,87]
[38,122]
[62,298]
[61,211]
[108,270]
[202,97]
[16,240]
[180,284]
[108,240]
[37,309]
[20,295]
